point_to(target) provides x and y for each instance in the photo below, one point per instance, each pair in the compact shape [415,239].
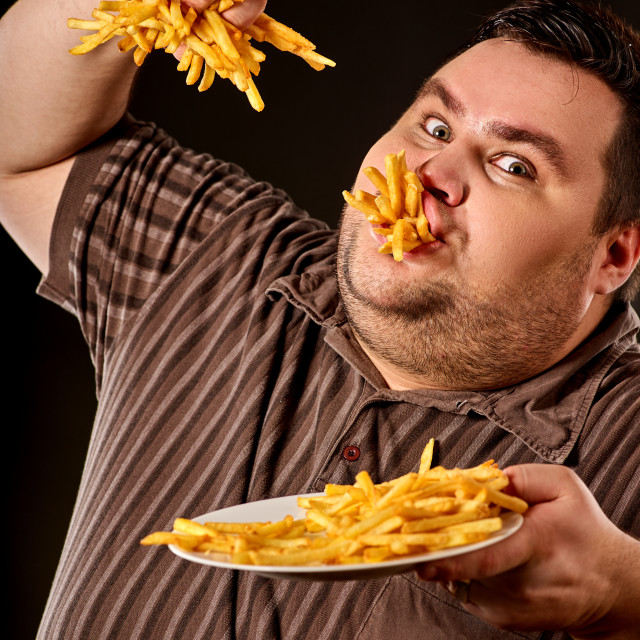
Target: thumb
[536,483]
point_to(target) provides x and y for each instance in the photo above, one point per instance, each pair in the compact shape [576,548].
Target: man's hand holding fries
[211,37]
[555,572]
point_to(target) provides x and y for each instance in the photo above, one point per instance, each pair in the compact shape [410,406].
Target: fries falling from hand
[365,522]
[213,46]
[398,207]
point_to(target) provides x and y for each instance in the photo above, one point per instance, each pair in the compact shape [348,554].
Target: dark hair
[598,41]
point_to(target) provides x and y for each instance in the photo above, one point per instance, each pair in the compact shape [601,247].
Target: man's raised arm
[53,104]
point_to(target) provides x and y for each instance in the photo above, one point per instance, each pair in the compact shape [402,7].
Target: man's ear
[621,258]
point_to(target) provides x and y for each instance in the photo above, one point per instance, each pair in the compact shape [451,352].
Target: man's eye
[437,128]
[515,166]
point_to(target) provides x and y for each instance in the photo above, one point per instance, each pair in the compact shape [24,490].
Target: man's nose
[443,176]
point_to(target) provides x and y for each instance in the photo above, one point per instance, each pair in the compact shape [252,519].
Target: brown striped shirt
[226,373]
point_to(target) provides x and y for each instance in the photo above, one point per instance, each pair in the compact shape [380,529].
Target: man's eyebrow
[436,87]
[547,145]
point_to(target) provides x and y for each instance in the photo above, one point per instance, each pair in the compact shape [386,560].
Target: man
[225,379]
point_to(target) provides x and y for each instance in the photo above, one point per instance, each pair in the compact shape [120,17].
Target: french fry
[269,25]
[438,522]
[384,206]
[378,180]
[400,488]
[363,206]
[110,6]
[302,557]
[195,68]
[216,46]
[391,166]
[164,537]
[98,38]
[182,525]
[376,554]
[185,61]
[139,55]
[254,96]
[217,546]
[126,43]
[87,25]
[207,78]
[485,525]
[397,240]
[398,207]
[426,457]
[363,479]
[415,539]
[221,35]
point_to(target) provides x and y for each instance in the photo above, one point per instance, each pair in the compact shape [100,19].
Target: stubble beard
[443,334]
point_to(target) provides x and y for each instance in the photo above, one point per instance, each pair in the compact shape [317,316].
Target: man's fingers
[198,5]
[179,52]
[539,485]
[244,13]
[490,561]
[240,15]
[497,607]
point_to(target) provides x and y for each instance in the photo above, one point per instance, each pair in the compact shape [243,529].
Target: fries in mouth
[398,207]
[213,46]
[430,510]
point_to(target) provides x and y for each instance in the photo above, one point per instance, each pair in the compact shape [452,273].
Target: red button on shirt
[351,453]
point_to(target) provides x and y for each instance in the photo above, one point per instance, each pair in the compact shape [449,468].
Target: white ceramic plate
[277,508]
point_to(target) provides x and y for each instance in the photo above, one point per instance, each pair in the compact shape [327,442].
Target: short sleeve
[135,207]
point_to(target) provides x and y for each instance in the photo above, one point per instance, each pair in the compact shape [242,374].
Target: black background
[309,140]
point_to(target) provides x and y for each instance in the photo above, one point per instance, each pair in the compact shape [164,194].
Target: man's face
[509,148]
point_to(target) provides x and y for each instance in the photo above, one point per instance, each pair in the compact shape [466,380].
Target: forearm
[52,103]
[622,619]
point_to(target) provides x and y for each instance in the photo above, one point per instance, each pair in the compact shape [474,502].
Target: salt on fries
[398,206]
[365,522]
[213,45]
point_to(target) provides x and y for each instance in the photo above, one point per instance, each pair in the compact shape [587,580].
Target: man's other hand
[240,15]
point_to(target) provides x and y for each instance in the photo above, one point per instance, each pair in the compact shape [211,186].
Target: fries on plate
[430,510]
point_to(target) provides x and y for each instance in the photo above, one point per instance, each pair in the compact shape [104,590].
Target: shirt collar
[547,412]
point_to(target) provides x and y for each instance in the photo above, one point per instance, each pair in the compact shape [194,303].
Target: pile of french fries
[398,207]
[365,522]
[212,45]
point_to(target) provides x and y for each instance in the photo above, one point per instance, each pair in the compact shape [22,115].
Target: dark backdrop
[309,140]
